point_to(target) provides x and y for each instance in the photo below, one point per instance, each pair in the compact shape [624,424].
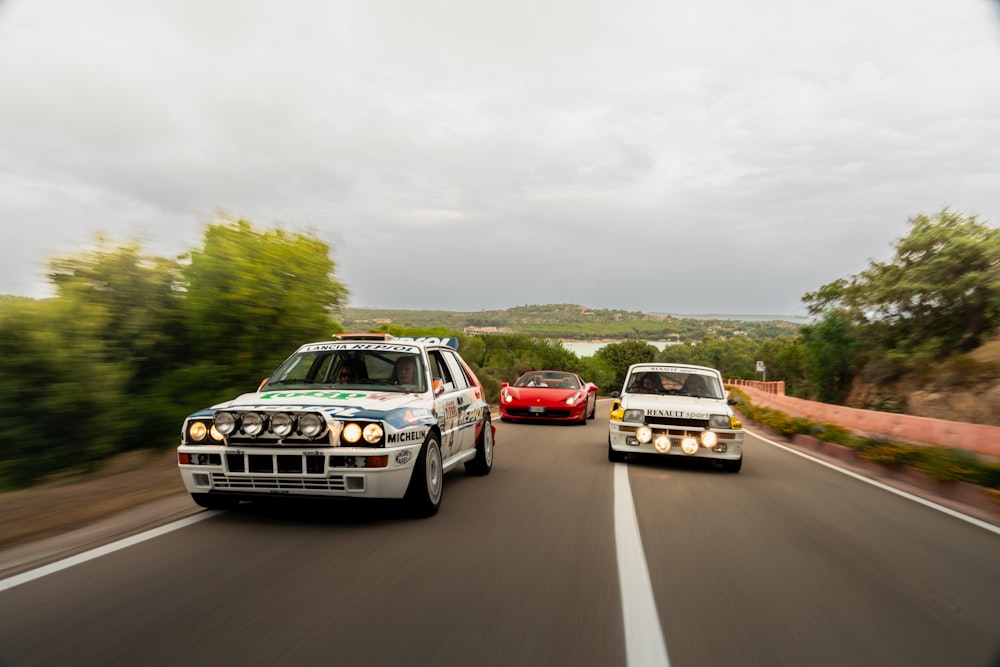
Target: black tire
[423,496]
[483,462]
[614,455]
[214,501]
[732,466]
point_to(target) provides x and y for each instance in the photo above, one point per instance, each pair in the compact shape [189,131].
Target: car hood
[355,404]
[681,407]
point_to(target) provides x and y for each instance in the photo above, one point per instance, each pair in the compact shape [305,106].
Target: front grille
[261,483]
[282,464]
[700,424]
[548,414]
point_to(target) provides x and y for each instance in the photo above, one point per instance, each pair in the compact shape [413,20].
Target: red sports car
[548,396]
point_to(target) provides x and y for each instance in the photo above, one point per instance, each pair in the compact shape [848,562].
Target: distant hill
[576,322]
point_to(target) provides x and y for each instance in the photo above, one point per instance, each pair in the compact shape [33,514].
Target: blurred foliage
[130,344]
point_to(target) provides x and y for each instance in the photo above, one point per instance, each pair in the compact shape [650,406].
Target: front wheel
[614,455]
[427,482]
[483,462]
[215,502]
[732,466]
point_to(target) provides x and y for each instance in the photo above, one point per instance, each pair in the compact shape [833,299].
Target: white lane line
[885,487]
[97,552]
[644,643]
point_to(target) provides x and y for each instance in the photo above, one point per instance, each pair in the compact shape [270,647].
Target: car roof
[370,341]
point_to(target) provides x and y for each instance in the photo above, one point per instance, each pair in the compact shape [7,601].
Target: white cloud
[783,143]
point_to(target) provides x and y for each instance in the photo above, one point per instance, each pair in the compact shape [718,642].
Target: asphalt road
[786,563]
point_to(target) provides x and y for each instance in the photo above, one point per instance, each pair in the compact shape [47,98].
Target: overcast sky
[682,156]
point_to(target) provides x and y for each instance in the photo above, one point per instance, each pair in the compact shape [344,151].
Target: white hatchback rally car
[366,416]
[675,410]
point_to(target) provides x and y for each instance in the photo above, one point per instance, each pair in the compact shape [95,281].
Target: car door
[448,400]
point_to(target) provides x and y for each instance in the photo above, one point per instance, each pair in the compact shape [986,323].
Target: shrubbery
[943,463]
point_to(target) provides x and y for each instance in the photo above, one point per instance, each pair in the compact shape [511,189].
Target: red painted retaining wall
[907,429]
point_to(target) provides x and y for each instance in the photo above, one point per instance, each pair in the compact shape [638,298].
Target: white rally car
[678,410]
[367,416]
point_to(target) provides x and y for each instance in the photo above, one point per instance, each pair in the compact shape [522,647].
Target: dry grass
[66,503]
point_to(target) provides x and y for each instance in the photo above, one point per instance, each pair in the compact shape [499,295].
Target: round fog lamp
[689,445]
[643,434]
[282,424]
[253,424]
[662,443]
[225,422]
[709,438]
[310,425]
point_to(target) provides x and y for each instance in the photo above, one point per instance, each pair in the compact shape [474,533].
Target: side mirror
[732,401]
[616,394]
[504,384]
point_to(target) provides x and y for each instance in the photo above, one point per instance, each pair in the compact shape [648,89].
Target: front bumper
[729,446]
[523,411]
[283,471]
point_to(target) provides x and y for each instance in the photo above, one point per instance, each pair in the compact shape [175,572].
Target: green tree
[831,346]
[619,356]
[939,293]
[251,296]
[62,393]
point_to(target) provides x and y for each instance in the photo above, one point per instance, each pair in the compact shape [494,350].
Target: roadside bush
[943,463]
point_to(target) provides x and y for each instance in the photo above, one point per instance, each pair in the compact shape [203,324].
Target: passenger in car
[694,386]
[649,384]
[405,372]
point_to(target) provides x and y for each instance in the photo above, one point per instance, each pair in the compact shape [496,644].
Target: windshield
[676,383]
[548,379]
[375,370]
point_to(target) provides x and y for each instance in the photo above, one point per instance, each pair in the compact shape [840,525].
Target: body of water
[586,348]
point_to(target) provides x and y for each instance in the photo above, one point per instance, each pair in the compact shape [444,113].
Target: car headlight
[352,433]
[507,396]
[573,399]
[197,431]
[372,433]
[719,421]
[632,416]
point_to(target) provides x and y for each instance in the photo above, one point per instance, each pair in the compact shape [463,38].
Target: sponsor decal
[450,410]
[677,414]
[431,340]
[472,415]
[400,437]
[673,369]
[383,347]
[403,457]
[328,395]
